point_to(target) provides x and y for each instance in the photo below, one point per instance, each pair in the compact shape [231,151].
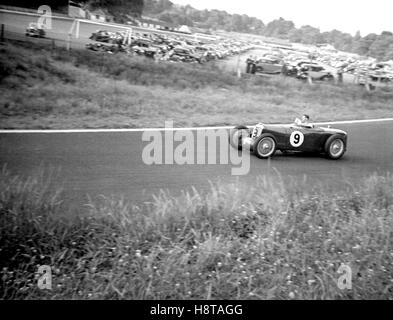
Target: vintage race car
[264,139]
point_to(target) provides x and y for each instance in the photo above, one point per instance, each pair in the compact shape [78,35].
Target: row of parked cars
[316,64]
[301,69]
[374,74]
[361,70]
[323,66]
[166,47]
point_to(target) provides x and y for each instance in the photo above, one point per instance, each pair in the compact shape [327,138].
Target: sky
[367,16]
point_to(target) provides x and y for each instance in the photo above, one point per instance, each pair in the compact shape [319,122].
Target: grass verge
[56,89]
[256,242]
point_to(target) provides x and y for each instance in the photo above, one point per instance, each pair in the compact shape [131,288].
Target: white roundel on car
[296,139]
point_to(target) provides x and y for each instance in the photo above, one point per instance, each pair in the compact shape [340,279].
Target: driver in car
[304,121]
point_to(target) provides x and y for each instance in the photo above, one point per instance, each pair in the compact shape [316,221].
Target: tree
[378,48]
[388,53]
[34,4]
[295,35]
[310,35]
[119,8]
[357,36]
[279,28]
[363,45]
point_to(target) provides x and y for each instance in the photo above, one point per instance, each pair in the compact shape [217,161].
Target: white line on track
[172,129]
[110,130]
[355,121]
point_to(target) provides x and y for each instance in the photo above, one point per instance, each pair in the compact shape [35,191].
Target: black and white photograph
[190,150]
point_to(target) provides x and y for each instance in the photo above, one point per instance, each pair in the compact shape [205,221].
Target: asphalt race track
[110,163]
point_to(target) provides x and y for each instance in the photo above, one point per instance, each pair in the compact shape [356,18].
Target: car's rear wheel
[265,146]
[335,147]
[236,136]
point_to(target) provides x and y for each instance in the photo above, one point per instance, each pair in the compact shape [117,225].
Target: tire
[253,69]
[235,138]
[335,147]
[327,78]
[265,146]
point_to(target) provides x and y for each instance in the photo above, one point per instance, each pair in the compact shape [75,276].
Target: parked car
[185,54]
[33,30]
[101,36]
[103,47]
[314,71]
[290,70]
[264,140]
[142,43]
[107,36]
[268,65]
[375,80]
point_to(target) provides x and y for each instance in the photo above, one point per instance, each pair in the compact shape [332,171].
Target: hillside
[40,88]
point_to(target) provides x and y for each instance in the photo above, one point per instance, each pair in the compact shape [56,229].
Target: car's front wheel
[265,146]
[236,136]
[335,147]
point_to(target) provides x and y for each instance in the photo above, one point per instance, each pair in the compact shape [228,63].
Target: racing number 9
[296,139]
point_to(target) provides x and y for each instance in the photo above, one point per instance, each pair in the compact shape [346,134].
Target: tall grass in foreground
[236,242]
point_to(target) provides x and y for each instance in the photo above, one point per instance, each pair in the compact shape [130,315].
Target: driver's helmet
[305,118]
[304,121]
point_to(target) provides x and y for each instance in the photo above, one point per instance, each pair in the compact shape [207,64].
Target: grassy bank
[261,242]
[42,88]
